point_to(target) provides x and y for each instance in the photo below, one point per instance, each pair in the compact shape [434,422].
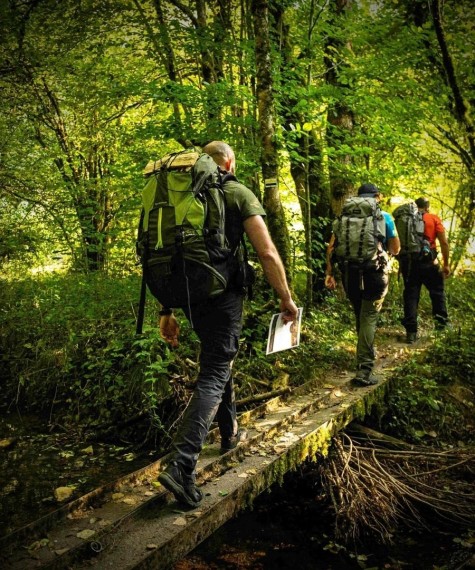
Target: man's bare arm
[444,249]
[272,265]
[330,281]
[394,245]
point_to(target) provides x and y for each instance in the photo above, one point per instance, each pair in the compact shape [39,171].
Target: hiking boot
[228,443]
[411,337]
[368,380]
[183,488]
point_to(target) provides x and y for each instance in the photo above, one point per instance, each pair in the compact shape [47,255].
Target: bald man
[218,323]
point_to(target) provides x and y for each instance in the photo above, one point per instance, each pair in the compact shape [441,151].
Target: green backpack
[359,231]
[181,242]
[410,228]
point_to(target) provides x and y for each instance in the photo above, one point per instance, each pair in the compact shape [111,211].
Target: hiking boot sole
[178,491]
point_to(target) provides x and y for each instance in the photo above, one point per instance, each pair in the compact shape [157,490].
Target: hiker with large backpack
[195,262]
[362,236]
[418,263]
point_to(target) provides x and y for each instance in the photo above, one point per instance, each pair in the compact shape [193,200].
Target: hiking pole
[141,313]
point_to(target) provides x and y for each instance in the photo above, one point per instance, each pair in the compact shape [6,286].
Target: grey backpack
[410,227]
[360,231]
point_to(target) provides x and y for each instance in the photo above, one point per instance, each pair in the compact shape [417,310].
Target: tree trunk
[340,116]
[82,174]
[306,154]
[269,157]
[460,107]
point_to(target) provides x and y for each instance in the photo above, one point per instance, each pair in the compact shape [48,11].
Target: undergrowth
[69,354]
[433,399]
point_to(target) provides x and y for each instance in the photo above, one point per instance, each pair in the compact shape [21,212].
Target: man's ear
[229,165]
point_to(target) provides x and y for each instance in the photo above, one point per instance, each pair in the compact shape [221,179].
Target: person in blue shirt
[366,289]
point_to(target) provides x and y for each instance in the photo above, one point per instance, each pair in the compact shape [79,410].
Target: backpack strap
[411,222]
[226,176]
[347,238]
[248,283]
[377,242]
[143,297]
[361,241]
[345,274]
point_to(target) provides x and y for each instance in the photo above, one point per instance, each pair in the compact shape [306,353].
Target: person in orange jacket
[426,270]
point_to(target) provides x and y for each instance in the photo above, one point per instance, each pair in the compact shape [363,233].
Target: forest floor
[293,525]
[61,459]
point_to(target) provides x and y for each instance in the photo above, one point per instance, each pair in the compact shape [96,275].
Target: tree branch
[461,110]
[185,10]
[456,147]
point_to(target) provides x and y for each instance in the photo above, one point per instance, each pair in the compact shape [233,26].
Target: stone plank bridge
[133,523]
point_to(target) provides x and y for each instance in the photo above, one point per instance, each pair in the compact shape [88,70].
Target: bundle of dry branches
[373,488]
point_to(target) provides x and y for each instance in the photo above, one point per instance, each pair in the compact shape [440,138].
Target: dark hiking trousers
[415,274]
[217,322]
[366,290]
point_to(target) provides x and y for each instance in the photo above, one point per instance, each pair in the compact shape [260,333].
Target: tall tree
[60,88]
[340,115]
[267,124]
[303,140]
[461,108]
[447,49]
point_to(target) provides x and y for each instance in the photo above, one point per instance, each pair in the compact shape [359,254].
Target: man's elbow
[443,241]
[394,246]
[268,254]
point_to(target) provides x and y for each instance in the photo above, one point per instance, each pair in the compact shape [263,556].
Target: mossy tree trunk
[304,147]
[340,116]
[269,155]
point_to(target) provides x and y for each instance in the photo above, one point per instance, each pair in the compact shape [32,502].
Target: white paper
[283,335]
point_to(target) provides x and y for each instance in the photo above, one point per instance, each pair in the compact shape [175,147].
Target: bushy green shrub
[69,350]
[434,390]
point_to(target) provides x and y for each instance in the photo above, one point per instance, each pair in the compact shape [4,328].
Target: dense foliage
[93,90]
[69,355]
[433,401]
[69,352]
[323,97]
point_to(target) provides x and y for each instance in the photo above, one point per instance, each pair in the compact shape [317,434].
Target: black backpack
[182,242]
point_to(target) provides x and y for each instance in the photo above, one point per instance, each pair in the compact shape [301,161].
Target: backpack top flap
[172,171]
[359,230]
[410,227]
[183,160]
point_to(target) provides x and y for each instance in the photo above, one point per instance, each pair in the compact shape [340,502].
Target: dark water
[34,462]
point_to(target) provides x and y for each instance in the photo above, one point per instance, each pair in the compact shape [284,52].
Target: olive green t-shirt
[240,204]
